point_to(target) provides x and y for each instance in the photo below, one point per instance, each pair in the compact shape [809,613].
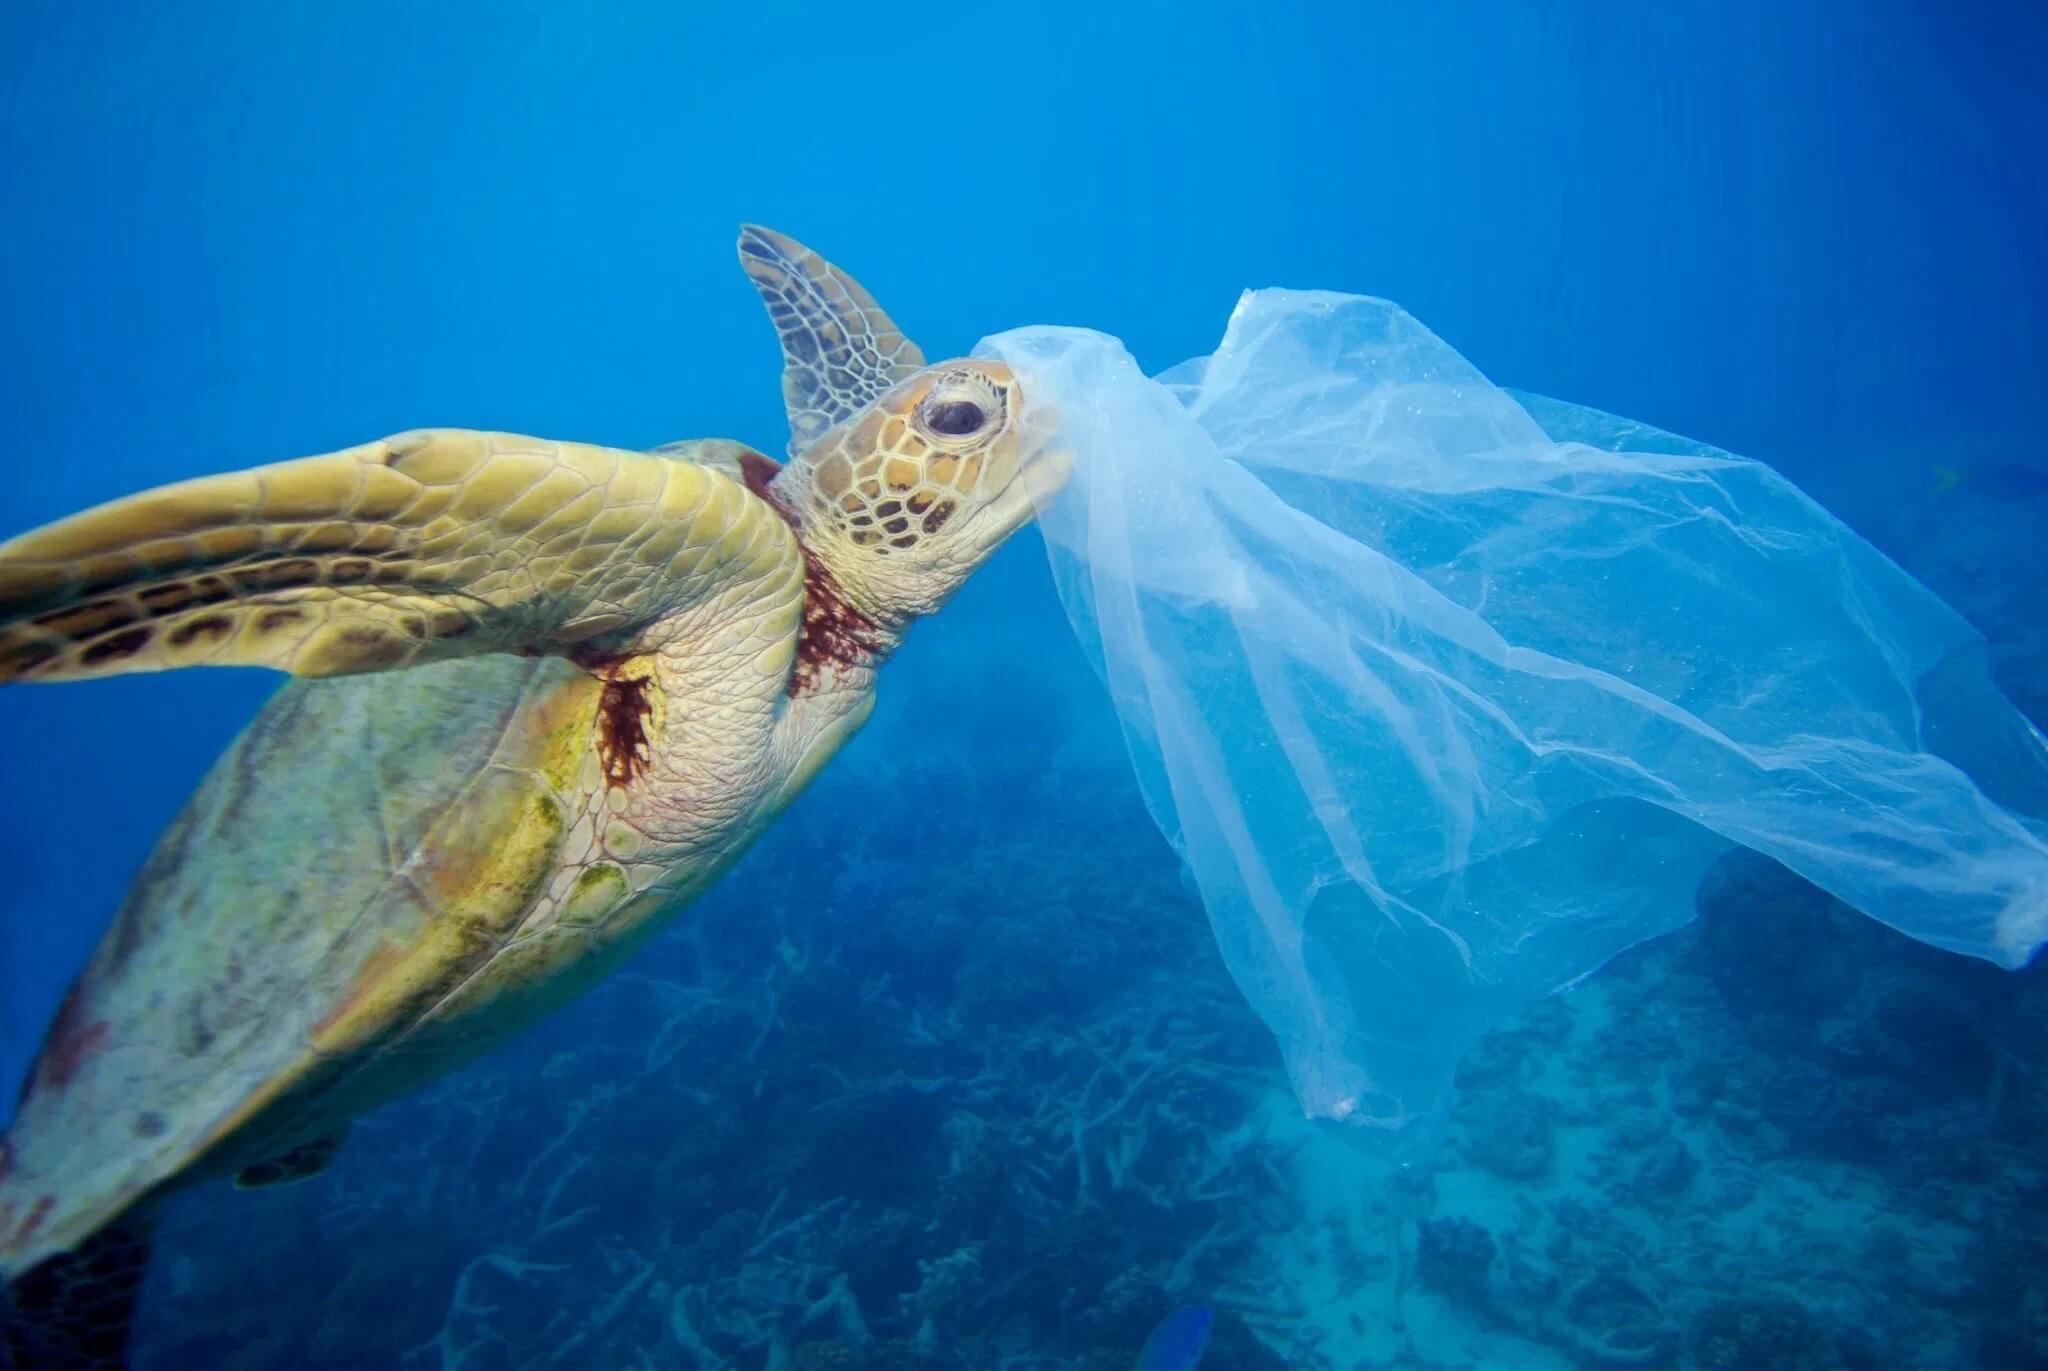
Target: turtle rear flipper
[292,1165]
[431,545]
[73,1311]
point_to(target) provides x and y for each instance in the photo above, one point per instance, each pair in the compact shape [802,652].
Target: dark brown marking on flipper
[270,620]
[22,658]
[163,599]
[82,621]
[211,628]
[289,574]
[126,643]
[377,647]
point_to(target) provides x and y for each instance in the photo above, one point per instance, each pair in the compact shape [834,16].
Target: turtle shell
[325,925]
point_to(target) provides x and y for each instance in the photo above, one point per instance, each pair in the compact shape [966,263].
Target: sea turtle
[563,688]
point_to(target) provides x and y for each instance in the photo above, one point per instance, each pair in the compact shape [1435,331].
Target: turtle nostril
[955,418]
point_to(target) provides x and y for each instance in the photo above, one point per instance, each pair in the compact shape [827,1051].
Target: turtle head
[903,478]
[904,501]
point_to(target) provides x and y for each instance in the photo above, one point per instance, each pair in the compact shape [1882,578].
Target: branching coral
[453,1346]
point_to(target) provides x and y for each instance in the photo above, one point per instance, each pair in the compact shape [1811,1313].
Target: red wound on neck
[833,632]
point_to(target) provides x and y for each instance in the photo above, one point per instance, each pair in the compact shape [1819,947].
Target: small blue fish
[2005,481]
[1179,1341]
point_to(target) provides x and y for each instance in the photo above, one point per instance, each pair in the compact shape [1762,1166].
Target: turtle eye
[955,418]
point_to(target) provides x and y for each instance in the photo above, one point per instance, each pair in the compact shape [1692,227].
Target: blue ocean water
[948,1072]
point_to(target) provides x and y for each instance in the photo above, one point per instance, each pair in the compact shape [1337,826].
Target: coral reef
[1764,1334]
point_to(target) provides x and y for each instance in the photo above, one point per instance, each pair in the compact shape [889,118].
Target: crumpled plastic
[1446,695]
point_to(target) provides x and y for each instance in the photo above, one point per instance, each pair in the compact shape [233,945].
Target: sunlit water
[948,1072]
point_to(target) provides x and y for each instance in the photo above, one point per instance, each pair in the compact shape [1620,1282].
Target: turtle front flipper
[840,352]
[430,545]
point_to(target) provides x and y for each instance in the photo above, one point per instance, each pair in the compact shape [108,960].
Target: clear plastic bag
[1446,696]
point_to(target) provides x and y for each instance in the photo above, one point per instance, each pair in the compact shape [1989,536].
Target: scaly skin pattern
[387,874]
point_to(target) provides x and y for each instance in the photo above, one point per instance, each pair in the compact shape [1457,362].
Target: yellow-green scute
[373,885]
[599,890]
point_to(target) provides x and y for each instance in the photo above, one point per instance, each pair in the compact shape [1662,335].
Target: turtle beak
[1042,470]
[1046,474]
[1038,479]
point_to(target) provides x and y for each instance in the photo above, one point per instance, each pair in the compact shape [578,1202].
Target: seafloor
[956,1079]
